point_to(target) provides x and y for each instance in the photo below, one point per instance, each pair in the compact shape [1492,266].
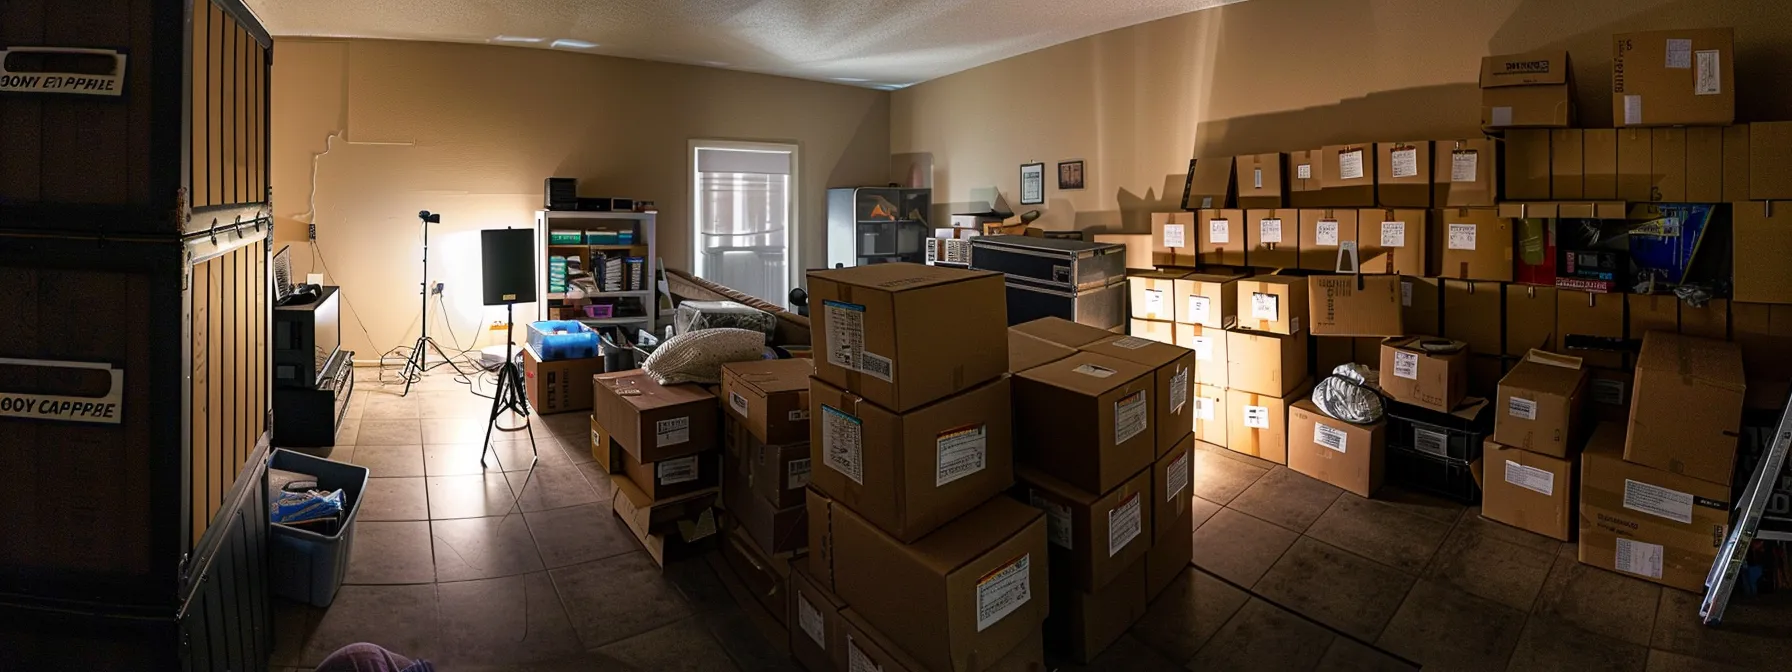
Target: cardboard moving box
[1265,363]
[1275,238]
[778,474]
[1170,492]
[675,476]
[561,385]
[1476,244]
[1138,248]
[1172,552]
[1349,176]
[1206,299]
[1062,332]
[1472,315]
[910,473]
[1210,184]
[1322,233]
[1567,167]
[820,512]
[1674,78]
[1026,352]
[1539,404]
[1086,420]
[1427,372]
[1527,490]
[1343,454]
[1224,237]
[1175,367]
[655,422]
[1530,319]
[1152,330]
[1258,423]
[1355,305]
[1421,300]
[1527,165]
[1209,346]
[770,397]
[868,650]
[818,635]
[774,531]
[965,594]
[1471,168]
[1094,537]
[1085,623]
[1259,180]
[1764,334]
[1599,166]
[1173,239]
[1531,89]
[1403,174]
[1210,414]
[1763,243]
[1273,304]
[1768,146]
[1153,294]
[669,528]
[1590,314]
[1393,241]
[880,335]
[1306,189]
[1646,522]
[1686,412]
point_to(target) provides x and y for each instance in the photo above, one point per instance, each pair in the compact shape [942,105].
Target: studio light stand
[509,396]
[418,361]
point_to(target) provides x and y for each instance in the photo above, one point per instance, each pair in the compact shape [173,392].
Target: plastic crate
[1456,435]
[566,237]
[1442,476]
[554,340]
[307,566]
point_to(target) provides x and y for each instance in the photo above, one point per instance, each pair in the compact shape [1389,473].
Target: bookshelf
[636,305]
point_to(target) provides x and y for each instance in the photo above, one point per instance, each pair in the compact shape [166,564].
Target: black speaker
[560,193]
[507,264]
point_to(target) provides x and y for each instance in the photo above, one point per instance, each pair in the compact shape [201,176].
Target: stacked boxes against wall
[661,445]
[1529,465]
[917,561]
[765,467]
[1105,449]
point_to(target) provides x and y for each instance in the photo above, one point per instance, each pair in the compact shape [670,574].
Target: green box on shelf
[603,238]
[566,237]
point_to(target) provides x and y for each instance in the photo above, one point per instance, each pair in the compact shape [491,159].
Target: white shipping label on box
[1406,365]
[857,661]
[841,446]
[1057,521]
[1708,77]
[1131,416]
[1132,342]
[1269,231]
[1197,309]
[1350,164]
[1679,53]
[1256,417]
[845,331]
[1178,389]
[1256,178]
[677,470]
[1531,478]
[1125,523]
[1638,557]
[796,474]
[1393,234]
[1094,370]
[1462,236]
[962,452]
[1658,501]
[1203,347]
[1327,232]
[1154,301]
[1003,591]
[799,415]
[1465,165]
[1633,109]
[738,403]
[1174,236]
[877,366]
[1430,442]
[811,620]
[1177,479]
[1405,293]
[1608,391]
[1521,408]
[1406,162]
[1219,232]
[1265,306]
[1330,437]
[1204,408]
[1501,116]
[671,432]
[1303,171]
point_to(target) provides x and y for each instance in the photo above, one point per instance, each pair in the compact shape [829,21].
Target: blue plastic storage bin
[306,566]
[550,344]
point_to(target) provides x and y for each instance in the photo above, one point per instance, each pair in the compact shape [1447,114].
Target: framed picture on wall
[1070,175]
[1032,183]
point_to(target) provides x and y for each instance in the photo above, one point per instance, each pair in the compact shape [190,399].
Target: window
[743,216]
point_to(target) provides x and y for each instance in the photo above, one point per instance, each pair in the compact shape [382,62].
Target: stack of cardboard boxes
[1528,467]
[766,433]
[660,443]
[917,561]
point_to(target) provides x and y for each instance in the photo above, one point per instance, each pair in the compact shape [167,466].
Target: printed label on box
[1521,408]
[1001,592]
[1094,370]
[796,474]
[875,365]
[677,470]
[1393,234]
[1330,437]
[671,432]
[1327,232]
[1197,308]
[1177,480]
[857,661]
[1178,389]
[1638,557]
[799,415]
[1608,391]
[1462,236]
[1679,53]
[1269,231]
[1465,165]
[1350,164]
[1131,415]
[1658,501]
[1406,365]
[1132,342]
[961,452]
[1405,293]
[1203,347]
[841,447]
[1257,178]
[1710,79]
[1057,521]
[811,620]
[1173,235]
[1154,301]
[1219,232]
[738,403]
[1502,116]
[1430,442]
[1265,306]
[1531,478]
[1406,162]
[1256,417]
[1204,408]
[1125,523]
[1633,109]
[845,328]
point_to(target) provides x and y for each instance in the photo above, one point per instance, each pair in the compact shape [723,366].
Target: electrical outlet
[313,231]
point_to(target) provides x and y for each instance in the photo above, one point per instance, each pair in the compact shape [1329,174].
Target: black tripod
[509,395]
[418,361]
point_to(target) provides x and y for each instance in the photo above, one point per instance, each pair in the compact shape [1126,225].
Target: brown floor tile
[515,619]
[400,618]
[389,460]
[1181,619]
[1418,503]
[1262,636]
[1667,661]
[574,424]
[1335,587]
[616,598]
[456,459]
[453,430]
[1287,498]
[1497,570]
[1380,532]
[1239,548]
[1756,631]
[347,431]
[1127,654]
[1349,655]
[1443,628]
[1598,601]
[1549,644]
[745,641]
[483,548]
[579,534]
[550,488]
[293,624]
[454,404]
[469,496]
[1220,477]
[515,455]
[683,646]
[390,553]
[388,499]
[1472,520]
[384,405]
[1203,510]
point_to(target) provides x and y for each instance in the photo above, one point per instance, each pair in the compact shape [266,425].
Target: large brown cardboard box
[1530,319]
[1770,160]
[1636,165]
[1224,237]
[1646,522]
[773,530]
[1392,241]
[1355,305]
[954,598]
[1687,406]
[1415,372]
[1152,330]
[1174,368]
[1539,404]
[677,476]
[1680,77]
[1210,414]
[1063,332]
[770,397]
[1599,163]
[561,385]
[880,335]
[1265,363]
[1668,164]
[868,650]
[1529,491]
[1026,352]
[820,510]
[1422,302]
[1737,178]
[1259,180]
[1471,169]
[1527,164]
[1608,394]
[1704,164]
[1207,299]
[1211,184]
[1567,176]
[911,472]
[1258,425]
[1763,244]
[1273,304]
[1349,176]
[1086,419]
[1085,623]
[1529,89]
[666,529]
[1344,454]
[778,474]
[1711,320]
[1652,312]
[1472,314]
[818,641]
[1209,346]
[1138,248]
[1403,174]
[1094,537]
[1306,188]
[1275,237]
[655,422]
[1170,493]
[1322,232]
[604,449]
[1171,554]
[1586,314]
[1153,295]
[1173,239]
[1474,243]
[1764,333]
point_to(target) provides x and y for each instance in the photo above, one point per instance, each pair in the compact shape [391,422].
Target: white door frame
[793,257]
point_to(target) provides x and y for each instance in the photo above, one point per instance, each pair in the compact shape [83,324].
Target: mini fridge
[877,225]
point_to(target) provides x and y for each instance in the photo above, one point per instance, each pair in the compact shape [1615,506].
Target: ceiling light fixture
[518,40]
[572,44]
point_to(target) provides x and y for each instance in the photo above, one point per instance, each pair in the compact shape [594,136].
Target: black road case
[1103,306]
[1069,264]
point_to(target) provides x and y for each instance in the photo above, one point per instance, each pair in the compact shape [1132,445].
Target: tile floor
[508,569]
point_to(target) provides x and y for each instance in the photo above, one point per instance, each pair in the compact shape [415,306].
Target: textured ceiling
[875,43]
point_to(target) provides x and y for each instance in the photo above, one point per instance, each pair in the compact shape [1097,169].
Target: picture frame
[1032,184]
[1188,186]
[1071,175]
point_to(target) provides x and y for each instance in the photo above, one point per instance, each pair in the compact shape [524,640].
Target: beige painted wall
[470,131]
[1277,75]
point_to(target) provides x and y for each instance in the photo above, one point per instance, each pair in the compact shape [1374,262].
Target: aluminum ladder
[1727,569]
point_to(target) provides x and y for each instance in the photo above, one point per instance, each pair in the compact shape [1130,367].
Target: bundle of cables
[1349,394]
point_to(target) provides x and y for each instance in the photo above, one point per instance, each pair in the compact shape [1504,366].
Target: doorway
[744,215]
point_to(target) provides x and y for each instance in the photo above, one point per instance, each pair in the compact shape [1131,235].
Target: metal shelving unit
[641,223]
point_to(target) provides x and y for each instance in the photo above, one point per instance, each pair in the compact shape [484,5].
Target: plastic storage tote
[307,566]
[554,340]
